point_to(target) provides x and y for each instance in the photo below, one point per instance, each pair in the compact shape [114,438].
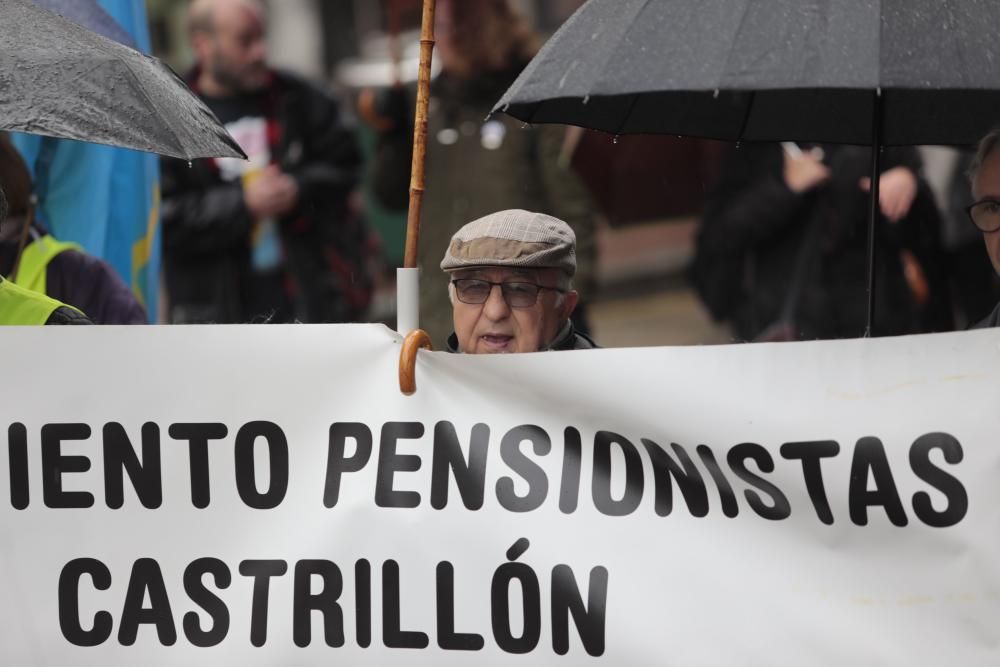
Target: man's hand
[805,171]
[270,193]
[897,188]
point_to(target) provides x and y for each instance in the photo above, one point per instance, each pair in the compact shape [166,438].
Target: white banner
[266,496]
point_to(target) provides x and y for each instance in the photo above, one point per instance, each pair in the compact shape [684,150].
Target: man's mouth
[497,342]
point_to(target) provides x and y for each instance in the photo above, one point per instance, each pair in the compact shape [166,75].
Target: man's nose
[259,51]
[496,307]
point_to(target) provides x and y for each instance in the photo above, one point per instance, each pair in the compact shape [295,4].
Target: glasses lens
[471,290]
[986,215]
[520,295]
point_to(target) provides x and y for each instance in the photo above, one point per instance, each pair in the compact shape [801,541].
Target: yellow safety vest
[35,261]
[23,307]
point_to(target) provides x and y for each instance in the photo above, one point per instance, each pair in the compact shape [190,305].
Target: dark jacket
[991,320]
[206,226]
[755,231]
[568,339]
[475,167]
[85,282]
[91,285]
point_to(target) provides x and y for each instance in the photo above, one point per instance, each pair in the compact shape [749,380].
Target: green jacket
[23,307]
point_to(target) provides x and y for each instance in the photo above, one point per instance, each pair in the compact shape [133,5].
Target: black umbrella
[61,80]
[878,72]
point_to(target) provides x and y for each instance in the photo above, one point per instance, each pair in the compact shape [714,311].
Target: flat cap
[515,238]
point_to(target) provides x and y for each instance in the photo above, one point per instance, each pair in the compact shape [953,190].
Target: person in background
[33,259]
[510,285]
[984,173]
[20,306]
[782,249]
[272,238]
[975,287]
[476,166]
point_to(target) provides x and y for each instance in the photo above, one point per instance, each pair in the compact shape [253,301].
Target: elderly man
[511,287]
[270,237]
[985,210]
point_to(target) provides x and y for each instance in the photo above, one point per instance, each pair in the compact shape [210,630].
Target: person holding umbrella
[782,248]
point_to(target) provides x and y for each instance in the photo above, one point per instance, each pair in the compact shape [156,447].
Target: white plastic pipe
[407,300]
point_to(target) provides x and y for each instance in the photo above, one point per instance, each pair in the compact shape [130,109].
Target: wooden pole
[420,136]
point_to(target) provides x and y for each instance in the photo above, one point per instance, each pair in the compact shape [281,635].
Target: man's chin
[254,85]
[254,81]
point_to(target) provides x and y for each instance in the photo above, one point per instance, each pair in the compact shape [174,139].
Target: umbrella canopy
[90,15]
[770,70]
[61,80]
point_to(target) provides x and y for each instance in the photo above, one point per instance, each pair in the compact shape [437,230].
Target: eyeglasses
[985,214]
[517,295]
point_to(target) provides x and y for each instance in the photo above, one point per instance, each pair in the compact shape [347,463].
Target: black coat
[990,321]
[756,230]
[206,226]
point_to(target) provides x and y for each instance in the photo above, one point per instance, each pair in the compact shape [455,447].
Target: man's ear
[570,299]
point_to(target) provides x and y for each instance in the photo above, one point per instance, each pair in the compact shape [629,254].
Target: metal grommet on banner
[415,340]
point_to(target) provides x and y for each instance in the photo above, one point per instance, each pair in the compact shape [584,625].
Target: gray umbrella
[61,80]
[879,72]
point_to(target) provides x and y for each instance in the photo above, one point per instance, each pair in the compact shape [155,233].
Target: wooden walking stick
[420,136]
[407,278]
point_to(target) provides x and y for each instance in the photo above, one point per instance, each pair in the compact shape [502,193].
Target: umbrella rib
[746,116]
[732,45]
[628,114]
[534,112]
[149,102]
[82,74]
[613,52]
[959,46]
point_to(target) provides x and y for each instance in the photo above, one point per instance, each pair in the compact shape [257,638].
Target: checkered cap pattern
[515,238]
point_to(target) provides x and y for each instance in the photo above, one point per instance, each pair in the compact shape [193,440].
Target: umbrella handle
[415,340]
